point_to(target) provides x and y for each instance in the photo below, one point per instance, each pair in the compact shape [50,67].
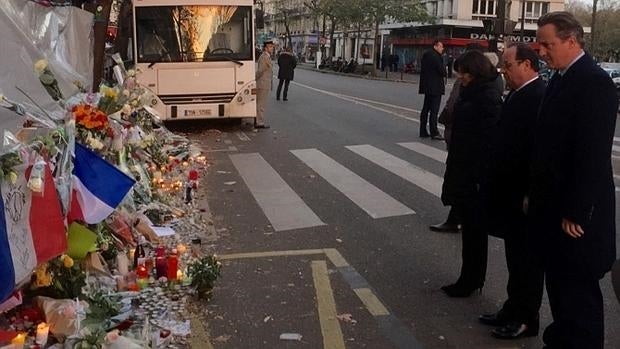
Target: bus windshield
[193,33]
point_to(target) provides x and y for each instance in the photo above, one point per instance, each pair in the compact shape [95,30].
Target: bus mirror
[260,19]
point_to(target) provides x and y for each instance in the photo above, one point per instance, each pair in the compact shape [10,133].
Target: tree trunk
[593,26]
[332,40]
[125,29]
[376,47]
[101,9]
[324,31]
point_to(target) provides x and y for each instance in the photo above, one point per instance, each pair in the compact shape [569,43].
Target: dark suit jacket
[571,171]
[286,63]
[510,160]
[433,74]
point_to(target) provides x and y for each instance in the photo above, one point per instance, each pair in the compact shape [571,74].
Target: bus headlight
[239,99]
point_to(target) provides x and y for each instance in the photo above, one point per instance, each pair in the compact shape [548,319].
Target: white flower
[131,73]
[126,93]
[40,66]
[126,109]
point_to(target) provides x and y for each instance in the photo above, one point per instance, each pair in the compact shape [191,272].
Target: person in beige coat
[264,83]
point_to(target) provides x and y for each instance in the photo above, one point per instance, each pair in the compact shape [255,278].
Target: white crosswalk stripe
[282,206]
[369,198]
[416,175]
[426,150]
[286,210]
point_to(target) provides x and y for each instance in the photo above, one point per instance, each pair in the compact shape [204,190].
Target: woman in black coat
[287,63]
[476,114]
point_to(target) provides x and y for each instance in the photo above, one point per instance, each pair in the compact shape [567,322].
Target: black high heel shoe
[460,290]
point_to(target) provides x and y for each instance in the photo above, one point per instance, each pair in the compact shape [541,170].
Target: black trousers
[474,237]
[285,82]
[429,113]
[577,307]
[525,276]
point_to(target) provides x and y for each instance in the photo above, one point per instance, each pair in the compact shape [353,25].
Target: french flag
[32,229]
[98,187]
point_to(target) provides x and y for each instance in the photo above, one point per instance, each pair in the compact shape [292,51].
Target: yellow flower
[40,66]
[66,261]
[43,278]
[13,177]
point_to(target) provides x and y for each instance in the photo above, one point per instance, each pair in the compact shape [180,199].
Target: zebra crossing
[286,210]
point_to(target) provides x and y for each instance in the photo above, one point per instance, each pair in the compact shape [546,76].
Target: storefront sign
[511,38]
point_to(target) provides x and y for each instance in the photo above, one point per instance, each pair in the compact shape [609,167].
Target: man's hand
[572,229]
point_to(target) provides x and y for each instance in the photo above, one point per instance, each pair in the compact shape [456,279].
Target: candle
[18,341]
[43,331]
[132,252]
[179,275]
[181,249]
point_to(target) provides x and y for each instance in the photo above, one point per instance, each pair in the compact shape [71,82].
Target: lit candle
[132,253]
[18,341]
[179,275]
[181,249]
[43,331]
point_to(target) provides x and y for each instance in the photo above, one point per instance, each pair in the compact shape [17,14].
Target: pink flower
[111,337]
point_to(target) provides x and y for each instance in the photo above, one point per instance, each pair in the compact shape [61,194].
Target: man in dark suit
[572,197]
[509,186]
[432,86]
[286,72]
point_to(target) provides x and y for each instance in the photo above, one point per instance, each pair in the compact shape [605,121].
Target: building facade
[303,27]
[459,23]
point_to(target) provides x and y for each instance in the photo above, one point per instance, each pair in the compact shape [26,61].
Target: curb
[301,66]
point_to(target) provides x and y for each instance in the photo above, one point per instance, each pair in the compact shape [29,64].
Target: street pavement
[322,225]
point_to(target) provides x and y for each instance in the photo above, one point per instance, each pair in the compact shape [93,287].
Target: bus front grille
[210,98]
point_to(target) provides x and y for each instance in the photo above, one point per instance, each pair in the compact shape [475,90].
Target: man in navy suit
[509,188]
[572,196]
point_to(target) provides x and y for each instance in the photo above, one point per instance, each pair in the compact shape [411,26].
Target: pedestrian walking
[264,83]
[572,198]
[465,180]
[509,178]
[286,63]
[432,86]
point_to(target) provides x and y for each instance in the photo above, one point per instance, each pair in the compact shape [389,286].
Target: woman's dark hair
[477,65]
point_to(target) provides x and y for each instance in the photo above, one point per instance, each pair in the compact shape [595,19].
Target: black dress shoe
[262,126]
[444,227]
[496,319]
[514,330]
[285,99]
[460,290]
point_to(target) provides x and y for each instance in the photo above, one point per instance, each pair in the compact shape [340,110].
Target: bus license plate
[198,112]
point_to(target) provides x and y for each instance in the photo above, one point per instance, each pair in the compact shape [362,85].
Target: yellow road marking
[372,303]
[336,258]
[330,327]
[269,254]
[200,337]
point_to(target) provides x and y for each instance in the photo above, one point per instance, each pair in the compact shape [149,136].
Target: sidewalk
[381,75]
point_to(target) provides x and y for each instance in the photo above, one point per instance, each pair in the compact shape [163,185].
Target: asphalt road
[331,174]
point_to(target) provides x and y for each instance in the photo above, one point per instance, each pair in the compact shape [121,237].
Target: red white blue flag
[32,229]
[98,187]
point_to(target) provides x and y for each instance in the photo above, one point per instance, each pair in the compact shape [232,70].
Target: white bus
[197,57]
